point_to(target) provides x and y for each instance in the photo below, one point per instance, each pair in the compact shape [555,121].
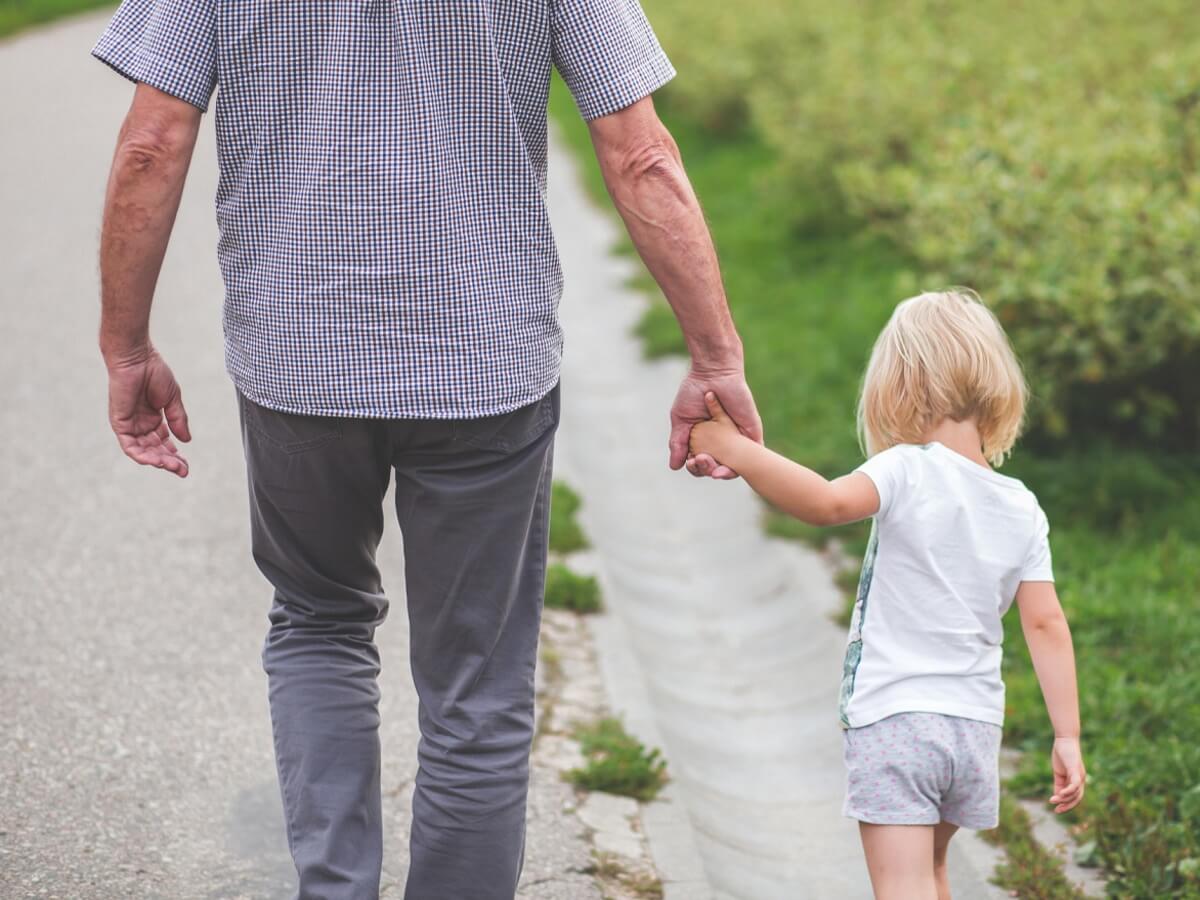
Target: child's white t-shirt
[950,545]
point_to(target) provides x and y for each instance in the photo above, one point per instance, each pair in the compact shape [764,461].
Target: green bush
[1046,155]
[566,535]
[617,762]
[16,15]
[566,590]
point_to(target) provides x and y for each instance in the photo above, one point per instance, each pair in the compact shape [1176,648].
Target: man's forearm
[144,188]
[646,179]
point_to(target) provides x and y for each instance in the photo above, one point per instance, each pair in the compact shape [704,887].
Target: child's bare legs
[942,832]
[900,860]
[908,862]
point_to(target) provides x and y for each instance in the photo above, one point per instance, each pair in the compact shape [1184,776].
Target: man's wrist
[717,357]
[122,354]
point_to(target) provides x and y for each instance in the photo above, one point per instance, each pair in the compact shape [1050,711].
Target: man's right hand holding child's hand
[719,436]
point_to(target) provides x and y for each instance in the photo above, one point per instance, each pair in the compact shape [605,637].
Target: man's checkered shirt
[384,237]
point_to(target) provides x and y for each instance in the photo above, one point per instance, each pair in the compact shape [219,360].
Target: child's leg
[900,860]
[942,833]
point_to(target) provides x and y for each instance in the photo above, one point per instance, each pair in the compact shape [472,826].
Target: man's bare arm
[644,173]
[145,184]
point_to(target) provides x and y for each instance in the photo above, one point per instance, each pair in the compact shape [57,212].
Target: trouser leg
[475,522]
[316,495]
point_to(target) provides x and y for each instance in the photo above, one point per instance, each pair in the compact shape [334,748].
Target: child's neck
[961,437]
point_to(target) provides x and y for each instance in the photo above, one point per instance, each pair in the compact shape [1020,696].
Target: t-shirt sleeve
[1037,561]
[168,44]
[607,54]
[889,470]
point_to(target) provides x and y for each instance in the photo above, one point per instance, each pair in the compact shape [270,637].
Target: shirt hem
[990,716]
[400,411]
[635,84]
[1038,575]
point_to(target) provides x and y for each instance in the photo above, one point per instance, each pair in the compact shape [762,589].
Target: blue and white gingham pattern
[384,237]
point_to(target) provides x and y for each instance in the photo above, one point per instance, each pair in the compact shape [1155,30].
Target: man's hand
[1069,774]
[145,408]
[644,173]
[690,408]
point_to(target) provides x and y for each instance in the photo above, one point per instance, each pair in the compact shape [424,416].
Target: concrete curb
[665,822]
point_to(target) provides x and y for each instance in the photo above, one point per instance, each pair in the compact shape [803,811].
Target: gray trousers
[472,499]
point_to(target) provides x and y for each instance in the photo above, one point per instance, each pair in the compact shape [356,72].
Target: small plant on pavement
[616,880]
[617,762]
[567,590]
[566,535]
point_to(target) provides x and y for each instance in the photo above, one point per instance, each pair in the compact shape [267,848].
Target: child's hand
[1069,774]
[716,436]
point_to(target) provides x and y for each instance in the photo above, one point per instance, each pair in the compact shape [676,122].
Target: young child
[952,544]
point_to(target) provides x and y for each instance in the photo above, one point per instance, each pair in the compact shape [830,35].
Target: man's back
[391,292]
[384,237]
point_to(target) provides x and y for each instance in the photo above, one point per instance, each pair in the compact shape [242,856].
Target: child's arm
[788,486]
[1049,640]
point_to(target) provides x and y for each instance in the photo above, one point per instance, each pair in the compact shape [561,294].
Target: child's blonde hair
[942,355]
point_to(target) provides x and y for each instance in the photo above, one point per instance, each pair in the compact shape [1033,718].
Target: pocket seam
[545,417]
[290,448]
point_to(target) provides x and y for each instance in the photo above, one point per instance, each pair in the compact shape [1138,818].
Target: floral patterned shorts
[923,768]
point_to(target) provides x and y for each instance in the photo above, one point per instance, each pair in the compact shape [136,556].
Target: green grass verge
[1125,522]
[16,15]
[567,590]
[1030,872]
[566,535]
[617,762]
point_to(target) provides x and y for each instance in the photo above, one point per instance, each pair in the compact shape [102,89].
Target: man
[391,292]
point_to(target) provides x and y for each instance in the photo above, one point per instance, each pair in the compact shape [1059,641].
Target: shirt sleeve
[607,54]
[168,44]
[1038,565]
[889,470]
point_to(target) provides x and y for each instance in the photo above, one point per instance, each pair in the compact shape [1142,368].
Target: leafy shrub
[617,762]
[566,590]
[1046,155]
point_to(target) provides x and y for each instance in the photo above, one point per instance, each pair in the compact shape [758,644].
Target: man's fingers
[754,430]
[153,451]
[678,443]
[723,473]
[177,417]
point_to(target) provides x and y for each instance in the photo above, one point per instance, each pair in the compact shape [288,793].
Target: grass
[1125,521]
[566,535]
[1030,872]
[617,762]
[567,590]
[612,875]
[16,15]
